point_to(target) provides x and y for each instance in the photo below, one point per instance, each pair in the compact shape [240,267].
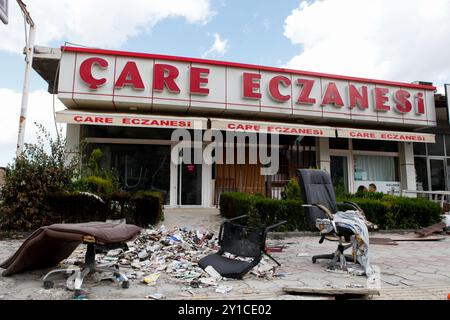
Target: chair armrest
[370,225]
[321,207]
[276,225]
[238,217]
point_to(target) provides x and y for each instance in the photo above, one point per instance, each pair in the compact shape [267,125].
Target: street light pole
[26,84]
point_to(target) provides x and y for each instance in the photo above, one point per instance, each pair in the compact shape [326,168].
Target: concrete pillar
[407,170]
[173,194]
[323,154]
[72,147]
[207,189]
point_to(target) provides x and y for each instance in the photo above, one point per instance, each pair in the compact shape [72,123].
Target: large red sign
[126,80]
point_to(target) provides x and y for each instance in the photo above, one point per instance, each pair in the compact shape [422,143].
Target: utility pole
[26,83]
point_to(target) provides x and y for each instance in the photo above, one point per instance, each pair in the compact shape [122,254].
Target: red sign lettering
[305,91]
[86,72]
[130,76]
[358,99]
[332,96]
[197,80]
[249,85]
[380,99]
[274,88]
[160,79]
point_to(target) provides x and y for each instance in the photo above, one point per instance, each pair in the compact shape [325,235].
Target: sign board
[130,120]
[4,11]
[385,135]
[387,187]
[272,128]
[124,81]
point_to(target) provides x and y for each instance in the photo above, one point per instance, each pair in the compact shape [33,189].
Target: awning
[130,120]
[272,127]
[385,135]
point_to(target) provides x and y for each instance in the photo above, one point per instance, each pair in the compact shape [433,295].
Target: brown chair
[49,245]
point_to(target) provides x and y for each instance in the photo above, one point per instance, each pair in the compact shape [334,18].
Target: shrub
[263,211]
[42,169]
[233,204]
[388,212]
[292,191]
[142,208]
[94,184]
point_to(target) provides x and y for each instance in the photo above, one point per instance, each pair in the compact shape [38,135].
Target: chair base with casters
[249,244]
[49,245]
[89,267]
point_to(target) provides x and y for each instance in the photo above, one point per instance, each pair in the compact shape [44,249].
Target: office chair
[320,203]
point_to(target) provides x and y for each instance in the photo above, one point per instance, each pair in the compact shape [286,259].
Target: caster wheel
[313,260]
[126,284]
[48,284]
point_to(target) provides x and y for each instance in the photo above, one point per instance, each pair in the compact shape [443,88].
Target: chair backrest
[242,241]
[317,188]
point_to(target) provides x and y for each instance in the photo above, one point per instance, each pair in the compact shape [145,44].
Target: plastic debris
[213,273]
[224,289]
[156,296]
[151,279]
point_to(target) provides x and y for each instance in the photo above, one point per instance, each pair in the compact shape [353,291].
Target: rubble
[174,253]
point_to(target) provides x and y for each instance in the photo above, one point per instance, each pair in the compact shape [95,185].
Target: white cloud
[219,47]
[40,110]
[101,23]
[394,40]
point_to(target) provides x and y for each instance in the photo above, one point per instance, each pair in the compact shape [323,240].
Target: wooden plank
[383,241]
[332,291]
[432,238]
[438,227]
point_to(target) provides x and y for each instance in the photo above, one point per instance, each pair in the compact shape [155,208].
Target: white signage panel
[124,80]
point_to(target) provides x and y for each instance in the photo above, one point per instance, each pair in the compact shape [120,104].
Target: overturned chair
[242,242]
[321,207]
[48,246]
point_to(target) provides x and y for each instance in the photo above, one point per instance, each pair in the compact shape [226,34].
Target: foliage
[42,169]
[387,211]
[291,191]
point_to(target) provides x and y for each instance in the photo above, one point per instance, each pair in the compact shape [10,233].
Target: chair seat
[228,268]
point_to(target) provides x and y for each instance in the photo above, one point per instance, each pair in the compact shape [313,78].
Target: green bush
[264,211]
[42,169]
[388,212]
[94,184]
[292,191]
[391,212]
[142,208]
[233,204]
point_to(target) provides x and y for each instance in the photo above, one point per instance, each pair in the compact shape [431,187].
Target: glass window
[376,168]
[339,143]
[419,148]
[139,167]
[436,149]
[447,144]
[448,173]
[437,174]
[375,145]
[126,132]
[420,165]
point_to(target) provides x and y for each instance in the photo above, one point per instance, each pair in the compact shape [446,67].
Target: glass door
[437,175]
[339,173]
[189,184]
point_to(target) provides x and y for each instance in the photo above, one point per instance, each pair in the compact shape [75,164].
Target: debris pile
[174,252]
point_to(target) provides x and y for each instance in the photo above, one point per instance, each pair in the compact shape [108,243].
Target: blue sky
[402,40]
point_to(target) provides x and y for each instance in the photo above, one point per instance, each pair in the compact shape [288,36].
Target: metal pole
[25,93]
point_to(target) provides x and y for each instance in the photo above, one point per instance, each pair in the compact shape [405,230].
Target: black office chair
[320,203]
[241,241]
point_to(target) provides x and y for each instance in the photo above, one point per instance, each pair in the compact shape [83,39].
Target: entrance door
[437,174]
[189,184]
[339,173]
